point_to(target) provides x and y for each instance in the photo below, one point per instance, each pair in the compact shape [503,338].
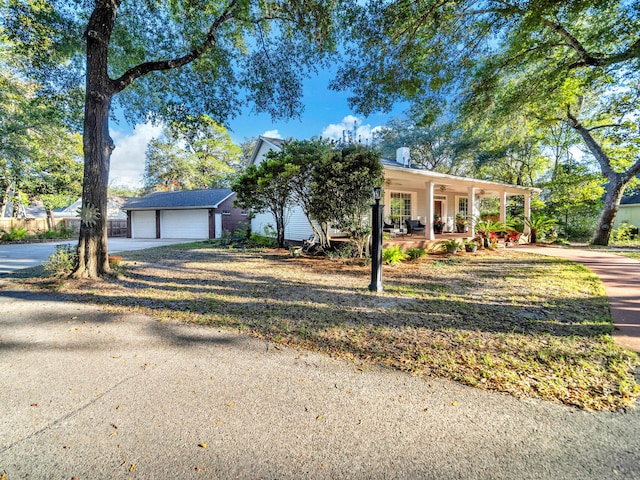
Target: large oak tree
[164,60]
[575,61]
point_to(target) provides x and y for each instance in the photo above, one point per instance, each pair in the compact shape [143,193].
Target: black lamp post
[376,240]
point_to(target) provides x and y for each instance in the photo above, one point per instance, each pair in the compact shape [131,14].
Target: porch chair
[414,226]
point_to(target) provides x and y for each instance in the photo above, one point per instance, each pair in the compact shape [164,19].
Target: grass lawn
[526,325]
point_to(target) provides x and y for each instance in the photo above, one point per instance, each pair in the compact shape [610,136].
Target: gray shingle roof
[631,200]
[180,199]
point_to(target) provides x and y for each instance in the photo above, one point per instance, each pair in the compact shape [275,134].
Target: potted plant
[471,245]
[461,222]
[451,246]
[438,225]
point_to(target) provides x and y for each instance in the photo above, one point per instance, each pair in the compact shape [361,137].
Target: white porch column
[527,211]
[503,207]
[473,210]
[428,231]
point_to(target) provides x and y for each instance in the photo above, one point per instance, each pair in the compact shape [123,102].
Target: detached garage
[189,214]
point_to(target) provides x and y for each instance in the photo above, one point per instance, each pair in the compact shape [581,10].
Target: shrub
[416,253]
[15,234]
[260,241]
[622,233]
[393,255]
[63,261]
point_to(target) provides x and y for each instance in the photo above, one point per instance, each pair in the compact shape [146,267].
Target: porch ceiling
[402,178]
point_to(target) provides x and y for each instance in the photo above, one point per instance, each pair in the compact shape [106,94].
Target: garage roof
[180,199]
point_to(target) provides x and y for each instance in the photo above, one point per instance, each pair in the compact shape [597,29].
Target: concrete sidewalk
[621,278]
[94,395]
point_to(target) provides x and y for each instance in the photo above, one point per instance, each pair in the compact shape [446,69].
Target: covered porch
[422,195]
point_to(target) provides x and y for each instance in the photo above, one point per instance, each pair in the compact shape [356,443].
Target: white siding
[184,223]
[264,148]
[297,227]
[143,224]
[629,214]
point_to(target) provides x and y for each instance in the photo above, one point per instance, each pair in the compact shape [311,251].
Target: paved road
[621,278]
[17,256]
[95,395]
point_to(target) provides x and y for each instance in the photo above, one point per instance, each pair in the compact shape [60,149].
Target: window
[226,212]
[463,206]
[400,208]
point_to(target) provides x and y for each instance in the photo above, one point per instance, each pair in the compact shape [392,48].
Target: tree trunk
[51,219]
[609,211]
[93,258]
[617,182]
[5,200]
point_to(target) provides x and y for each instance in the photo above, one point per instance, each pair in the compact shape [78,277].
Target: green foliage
[441,147]
[393,255]
[39,154]
[341,188]
[539,225]
[260,241]
[267,187]
[15,234]
[60,231]
[451,245]
[416,253]
[527,68]
[623,232]
[194,153]
[63,261]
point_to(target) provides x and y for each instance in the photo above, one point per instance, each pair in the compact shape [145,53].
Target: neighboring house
[114,209]
[196,214]
[628,211]
[410,193]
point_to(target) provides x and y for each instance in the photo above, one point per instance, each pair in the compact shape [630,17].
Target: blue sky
[326,114]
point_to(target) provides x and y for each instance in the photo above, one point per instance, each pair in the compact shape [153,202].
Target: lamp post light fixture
[376,240]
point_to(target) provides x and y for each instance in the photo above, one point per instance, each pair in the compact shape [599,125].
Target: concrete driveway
[25,255]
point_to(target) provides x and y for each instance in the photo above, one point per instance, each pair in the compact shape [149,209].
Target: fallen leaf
[230,405]
[197,469]
[426,410]
[3,476]
[318,417]
[34,404]
[202,445]
[132,467]
[114,425]
[455,404]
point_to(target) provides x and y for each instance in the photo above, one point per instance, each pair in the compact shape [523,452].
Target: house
[628,211]
[114,208]
[411,193]
[196,214]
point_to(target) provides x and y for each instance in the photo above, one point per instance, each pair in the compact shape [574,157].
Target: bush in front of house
[393,255]
[416,253]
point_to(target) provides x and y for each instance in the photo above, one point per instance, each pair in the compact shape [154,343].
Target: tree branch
[593,145]
[592,59]
[144,68]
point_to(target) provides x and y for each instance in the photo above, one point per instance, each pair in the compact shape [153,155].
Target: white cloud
[351,127]
[272,134]
[127,160]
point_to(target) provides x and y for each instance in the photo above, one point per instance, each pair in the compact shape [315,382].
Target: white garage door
[143,224]
[184,224]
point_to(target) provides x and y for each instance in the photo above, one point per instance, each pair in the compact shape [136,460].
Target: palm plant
[538,225]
